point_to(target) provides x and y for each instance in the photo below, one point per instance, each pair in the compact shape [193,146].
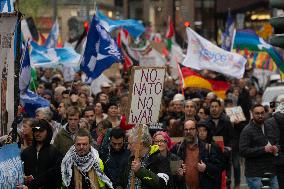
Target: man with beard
[202,164]
[115,155]
[259,147]
[81,167]
[41,160]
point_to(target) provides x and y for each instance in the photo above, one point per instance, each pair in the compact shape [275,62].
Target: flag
[11,167]
[248,40]
[53,57]
[259,60]
[51,41]
[176,57]
[134,27]
[29,29]
[130,58]
[25,73]
[227,36]
[6,6]
[29,99]
[170,34]
[202,54]
[194,80]
[170,31]
[101,51]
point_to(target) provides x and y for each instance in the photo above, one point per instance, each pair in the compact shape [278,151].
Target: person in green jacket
[151,170]
[65,137]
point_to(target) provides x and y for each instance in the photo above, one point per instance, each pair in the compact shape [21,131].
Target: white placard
[146,90]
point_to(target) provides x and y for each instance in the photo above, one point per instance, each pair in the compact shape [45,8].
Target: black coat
[224,128]
[213,158]
[252,143]
[44,167]
[114,162]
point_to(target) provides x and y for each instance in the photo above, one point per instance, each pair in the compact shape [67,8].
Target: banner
[11,168]
[7,28]
[202,54]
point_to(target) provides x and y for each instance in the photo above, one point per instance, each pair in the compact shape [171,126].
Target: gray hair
[194,103]
[146,138]
[47,114]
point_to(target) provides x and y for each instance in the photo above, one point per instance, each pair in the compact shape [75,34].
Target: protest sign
[11,170]
[146,90]
[235,114]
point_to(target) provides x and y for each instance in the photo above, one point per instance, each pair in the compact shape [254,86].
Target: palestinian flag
[170,33]
[130,59]
[195,80]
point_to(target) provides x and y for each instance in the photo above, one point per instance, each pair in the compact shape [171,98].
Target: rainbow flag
[195,80]
[260,60]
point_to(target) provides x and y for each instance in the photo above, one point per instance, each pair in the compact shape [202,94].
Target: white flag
[202,54]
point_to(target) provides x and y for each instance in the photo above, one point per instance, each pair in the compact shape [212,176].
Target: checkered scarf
[84,164]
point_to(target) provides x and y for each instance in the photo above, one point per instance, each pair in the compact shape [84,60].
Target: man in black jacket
[220,125]
[277,122]
[151,170]
[115,155]
[41,160]
[259,147]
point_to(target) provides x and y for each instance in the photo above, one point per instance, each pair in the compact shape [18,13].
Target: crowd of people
[82,140]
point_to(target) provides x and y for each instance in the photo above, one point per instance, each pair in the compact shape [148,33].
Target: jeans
[255,182]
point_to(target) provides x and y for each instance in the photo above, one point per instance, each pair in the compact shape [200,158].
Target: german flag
[195,80]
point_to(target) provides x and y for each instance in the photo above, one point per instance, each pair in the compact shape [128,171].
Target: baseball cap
[41,125]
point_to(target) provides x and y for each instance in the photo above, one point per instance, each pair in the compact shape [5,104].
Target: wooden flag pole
[137,153]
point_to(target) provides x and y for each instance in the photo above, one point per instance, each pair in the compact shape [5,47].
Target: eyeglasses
[190,129]
[160,141]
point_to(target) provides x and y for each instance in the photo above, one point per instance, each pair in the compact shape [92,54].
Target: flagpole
[17,65]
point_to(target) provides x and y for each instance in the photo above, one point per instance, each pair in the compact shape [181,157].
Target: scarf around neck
[83,163]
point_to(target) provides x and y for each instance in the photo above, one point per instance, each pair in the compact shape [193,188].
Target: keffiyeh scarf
[84,164]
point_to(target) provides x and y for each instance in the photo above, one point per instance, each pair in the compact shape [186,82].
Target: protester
[220,125]
[115,155]
[82,167]
[277,122]
[27,133]
[200,170]
[99,112]
[112,112]
[151,170]
[259,147]
[65,138]
[41,160]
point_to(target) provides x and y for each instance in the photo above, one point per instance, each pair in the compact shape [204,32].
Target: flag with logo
[202,54]
[51,41]
[101,51]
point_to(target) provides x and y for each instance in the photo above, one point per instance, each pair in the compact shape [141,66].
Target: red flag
[170,31]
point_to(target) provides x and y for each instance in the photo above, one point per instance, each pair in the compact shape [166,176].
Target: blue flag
[227,36]
[52,38]
[134,27]
[11,168]
[53,57]
[29,99]
[101,51]
[25,73]
[6,6]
